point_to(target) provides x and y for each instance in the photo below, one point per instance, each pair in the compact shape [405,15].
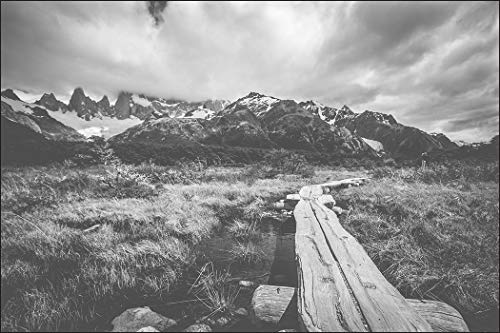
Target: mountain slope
[37,119]
[91,117]
[253,121]
[165,130]
[9,93]
[33,137]
[398,139]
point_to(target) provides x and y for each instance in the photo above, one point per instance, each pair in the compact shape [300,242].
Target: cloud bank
[433,65]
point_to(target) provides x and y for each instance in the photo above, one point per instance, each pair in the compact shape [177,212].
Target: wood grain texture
[273,306]
[324,301]
[383,307]
[277,308]
[441,316]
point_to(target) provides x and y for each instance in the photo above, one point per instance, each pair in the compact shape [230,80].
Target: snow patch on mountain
[26,96]
[101,126]
[200,113]
[256,100]
[20,106]
[376,145]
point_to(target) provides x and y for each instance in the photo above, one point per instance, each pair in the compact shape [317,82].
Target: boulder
[132,320]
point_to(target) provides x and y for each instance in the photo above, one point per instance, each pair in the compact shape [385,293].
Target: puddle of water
[277,243]
[276,265]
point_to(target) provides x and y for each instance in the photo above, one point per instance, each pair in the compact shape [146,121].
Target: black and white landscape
[145,148]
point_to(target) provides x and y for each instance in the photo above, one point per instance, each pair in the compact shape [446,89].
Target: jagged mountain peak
[49,101]
[254,94]
[380,117]
[48,97]
[9,93]
[345,108]
[256,102]
[78,92]
[149,107]
[104,101]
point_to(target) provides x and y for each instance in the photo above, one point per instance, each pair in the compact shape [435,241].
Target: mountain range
[253,121]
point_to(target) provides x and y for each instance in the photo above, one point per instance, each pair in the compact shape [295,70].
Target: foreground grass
[433,237]
[57,277]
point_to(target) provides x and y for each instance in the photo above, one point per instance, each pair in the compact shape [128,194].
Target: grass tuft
[213,289]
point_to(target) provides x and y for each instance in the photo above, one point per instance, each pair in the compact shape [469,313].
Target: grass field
[433,234]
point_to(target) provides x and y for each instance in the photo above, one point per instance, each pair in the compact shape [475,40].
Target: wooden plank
[277,310]
[327,187]
[441,316]
[323,299]
[383,307]
[310,192]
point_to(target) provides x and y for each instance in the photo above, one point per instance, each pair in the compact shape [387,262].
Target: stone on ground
[132,320]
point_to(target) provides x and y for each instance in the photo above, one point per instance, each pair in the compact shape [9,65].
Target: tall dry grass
[56,277]
[434,235]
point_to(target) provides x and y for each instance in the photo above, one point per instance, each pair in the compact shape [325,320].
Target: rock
[147,329]
[222,321]
[247,284]
[288,330]
[198,328]
[241,312]
[132,320]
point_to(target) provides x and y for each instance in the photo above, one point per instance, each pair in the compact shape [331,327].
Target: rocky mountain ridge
[254,120]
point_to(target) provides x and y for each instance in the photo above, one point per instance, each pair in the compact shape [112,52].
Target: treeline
[136,153]
[32,150]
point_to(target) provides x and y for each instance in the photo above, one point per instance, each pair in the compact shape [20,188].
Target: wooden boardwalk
[339,287]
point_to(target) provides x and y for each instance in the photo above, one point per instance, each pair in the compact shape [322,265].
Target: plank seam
[349,288]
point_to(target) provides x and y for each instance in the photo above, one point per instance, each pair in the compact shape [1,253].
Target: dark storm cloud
[433,65]
[156,9]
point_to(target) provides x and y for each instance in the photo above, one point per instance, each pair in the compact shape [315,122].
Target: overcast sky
[431,65]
